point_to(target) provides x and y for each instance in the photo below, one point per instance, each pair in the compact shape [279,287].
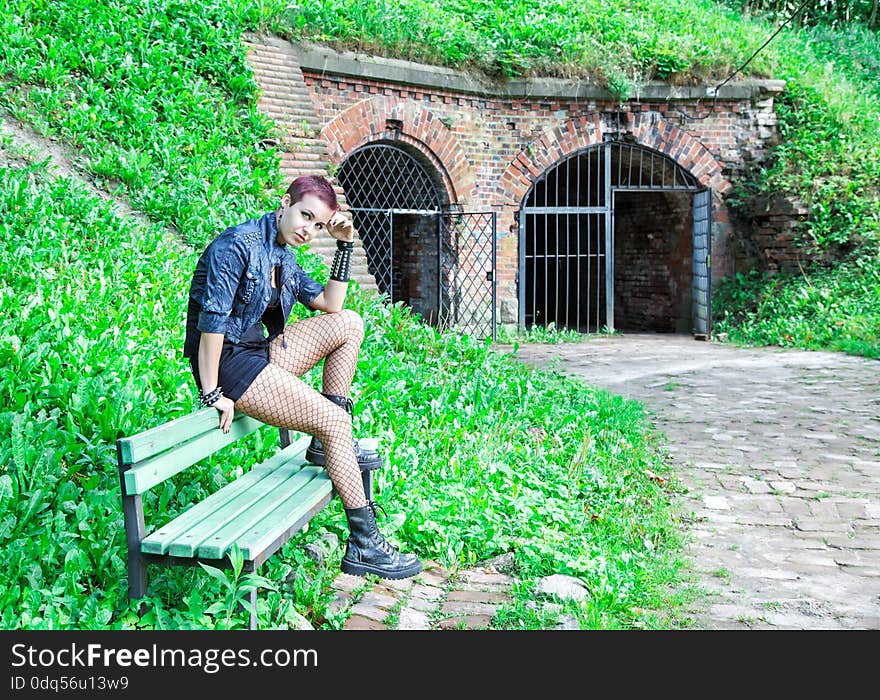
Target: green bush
[836,309]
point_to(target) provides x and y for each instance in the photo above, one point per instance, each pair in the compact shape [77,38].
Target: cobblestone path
[780,454]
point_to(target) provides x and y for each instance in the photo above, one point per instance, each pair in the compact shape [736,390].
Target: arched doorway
[432,256]
[615,236]
[396,200]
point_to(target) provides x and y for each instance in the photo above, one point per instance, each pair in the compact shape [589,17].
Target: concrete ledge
[326,61]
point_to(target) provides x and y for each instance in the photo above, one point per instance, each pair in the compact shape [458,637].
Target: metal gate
[567,233]
[379,181]
[702,285]
[467,272]
[388,190]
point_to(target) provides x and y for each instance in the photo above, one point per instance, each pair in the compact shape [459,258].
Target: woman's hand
[341,227]
[226,406]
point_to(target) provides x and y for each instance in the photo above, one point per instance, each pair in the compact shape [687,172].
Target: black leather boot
[366,458]
[368,552]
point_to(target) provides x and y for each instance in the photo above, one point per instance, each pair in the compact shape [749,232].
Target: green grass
[538,334]
[635,42]
[157,97]
[837,309]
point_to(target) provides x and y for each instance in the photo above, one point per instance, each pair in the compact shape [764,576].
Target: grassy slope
[830,157]
[485,456]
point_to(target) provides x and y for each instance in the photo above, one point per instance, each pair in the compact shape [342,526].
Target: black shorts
[239,366]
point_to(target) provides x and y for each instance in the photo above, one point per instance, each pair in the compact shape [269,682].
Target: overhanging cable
[751,58]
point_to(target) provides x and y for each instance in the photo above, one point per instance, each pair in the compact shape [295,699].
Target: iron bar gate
[466,260]
[394,194]
[566,226]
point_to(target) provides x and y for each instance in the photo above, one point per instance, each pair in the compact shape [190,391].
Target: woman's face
[299,223]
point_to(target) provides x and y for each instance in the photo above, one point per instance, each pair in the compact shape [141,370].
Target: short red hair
[316,185]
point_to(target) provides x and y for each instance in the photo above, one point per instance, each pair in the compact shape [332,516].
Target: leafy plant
[236,588]
[538,334]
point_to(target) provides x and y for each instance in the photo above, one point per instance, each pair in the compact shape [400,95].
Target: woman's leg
[278,398]
[336,337]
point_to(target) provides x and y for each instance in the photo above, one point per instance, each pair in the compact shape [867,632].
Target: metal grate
[380,179]
[382,176]
[385,187]
[467,273]
[567,232]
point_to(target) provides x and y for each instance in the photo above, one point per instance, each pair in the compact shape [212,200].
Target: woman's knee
[354,324]
[336,424]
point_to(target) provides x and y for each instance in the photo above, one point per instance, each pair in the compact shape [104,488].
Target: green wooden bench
[259,511]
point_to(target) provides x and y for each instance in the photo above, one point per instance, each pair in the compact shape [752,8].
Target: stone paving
[780,454]
[432,600]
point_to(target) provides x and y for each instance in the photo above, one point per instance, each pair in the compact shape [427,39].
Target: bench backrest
[151,457]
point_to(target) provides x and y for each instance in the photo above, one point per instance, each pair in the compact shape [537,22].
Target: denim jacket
[232,283]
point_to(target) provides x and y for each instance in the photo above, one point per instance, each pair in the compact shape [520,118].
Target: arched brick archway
[650,260]
[415,127]
[648,129]
[651,130]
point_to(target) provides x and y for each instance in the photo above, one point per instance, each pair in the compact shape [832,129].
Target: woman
[247,280]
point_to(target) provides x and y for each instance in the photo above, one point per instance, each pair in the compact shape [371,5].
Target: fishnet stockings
[337,337]
[279,397]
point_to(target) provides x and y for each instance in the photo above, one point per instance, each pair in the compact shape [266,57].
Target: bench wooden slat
[281,521]
[274,488]
[295,450]
[159,541]
[156,440]
[146,474]
[297,488]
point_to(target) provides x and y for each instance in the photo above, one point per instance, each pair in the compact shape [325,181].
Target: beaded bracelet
[341,267]
[211,397]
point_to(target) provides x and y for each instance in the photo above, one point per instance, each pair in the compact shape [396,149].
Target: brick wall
[487,144]
[769,238]
[489,151]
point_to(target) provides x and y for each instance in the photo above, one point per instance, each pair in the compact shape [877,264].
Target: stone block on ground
[565,587]
[411,619]
[357,622]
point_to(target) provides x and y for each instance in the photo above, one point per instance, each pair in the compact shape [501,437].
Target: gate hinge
[490,276]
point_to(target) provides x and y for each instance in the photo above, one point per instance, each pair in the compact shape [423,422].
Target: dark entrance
[608,239]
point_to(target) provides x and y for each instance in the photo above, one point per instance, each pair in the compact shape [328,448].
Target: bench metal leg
[250,568]
[284,437]
[137,577]
[252,622]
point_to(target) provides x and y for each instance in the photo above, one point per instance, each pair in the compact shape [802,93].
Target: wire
[729,77]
